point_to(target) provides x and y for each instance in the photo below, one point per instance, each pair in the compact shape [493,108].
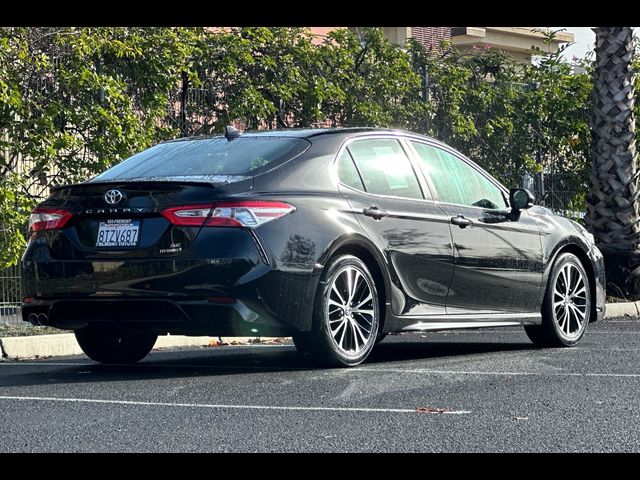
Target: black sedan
[333,236]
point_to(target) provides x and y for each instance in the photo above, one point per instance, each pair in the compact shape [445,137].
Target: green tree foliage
[278,77]
[509,118]
[74,101]
[369,82]
[268,77]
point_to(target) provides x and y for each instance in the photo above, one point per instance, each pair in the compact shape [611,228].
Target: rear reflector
[228,214]
[43,218]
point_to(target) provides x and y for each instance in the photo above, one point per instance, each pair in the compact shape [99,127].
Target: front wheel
[107,346]
[566,309]
[346,313]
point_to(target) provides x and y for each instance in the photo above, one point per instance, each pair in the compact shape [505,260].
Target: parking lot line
[235,407]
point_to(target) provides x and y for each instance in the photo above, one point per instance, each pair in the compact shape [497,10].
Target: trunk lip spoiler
[170,180]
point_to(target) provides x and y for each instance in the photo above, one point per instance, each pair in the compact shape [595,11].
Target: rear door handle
[461,221]
[374,212]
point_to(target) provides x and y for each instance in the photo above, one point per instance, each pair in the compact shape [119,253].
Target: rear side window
[347,172]
[208,157]
[457,182]
[385,168]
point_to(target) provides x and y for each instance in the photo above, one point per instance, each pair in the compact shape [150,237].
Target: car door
[498,259]
[381,186]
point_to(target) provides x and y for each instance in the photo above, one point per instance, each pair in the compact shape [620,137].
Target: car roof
[305,133]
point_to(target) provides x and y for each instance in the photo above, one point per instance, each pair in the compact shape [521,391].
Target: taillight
[192,215]
[248,213]
[43,218]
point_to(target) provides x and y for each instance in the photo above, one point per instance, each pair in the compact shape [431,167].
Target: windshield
[207,157]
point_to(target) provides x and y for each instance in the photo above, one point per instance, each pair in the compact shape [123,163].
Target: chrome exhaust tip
[33,318]
[43,319]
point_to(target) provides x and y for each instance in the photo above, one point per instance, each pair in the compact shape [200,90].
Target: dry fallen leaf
[217,343]
[272,341]
[432,410]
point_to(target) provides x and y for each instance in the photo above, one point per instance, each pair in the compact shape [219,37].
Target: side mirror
[520,199]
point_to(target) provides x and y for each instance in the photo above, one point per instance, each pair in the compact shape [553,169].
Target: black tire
[303,342]
[109,346]
[575,310]
[354,329]
[381,336]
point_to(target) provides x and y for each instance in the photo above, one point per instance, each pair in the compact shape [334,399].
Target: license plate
[118,233]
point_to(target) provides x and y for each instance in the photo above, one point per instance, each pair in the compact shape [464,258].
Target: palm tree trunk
[612,203]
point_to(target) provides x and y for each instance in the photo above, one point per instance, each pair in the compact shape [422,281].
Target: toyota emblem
[113,197]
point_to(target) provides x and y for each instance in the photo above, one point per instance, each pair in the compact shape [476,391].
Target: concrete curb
[623,309]
[40,346]
[63,344]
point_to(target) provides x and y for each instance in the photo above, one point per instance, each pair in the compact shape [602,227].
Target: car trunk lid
[124,219]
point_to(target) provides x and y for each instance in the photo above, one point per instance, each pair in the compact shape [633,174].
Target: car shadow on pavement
[399,351]
[225,361]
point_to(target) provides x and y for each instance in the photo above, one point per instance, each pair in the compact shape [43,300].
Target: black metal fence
[563,193]
[10,295]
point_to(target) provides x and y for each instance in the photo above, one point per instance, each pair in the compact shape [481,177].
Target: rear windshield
[207,157]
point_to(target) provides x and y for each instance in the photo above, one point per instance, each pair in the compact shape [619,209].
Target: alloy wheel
[350,310]
[570,301]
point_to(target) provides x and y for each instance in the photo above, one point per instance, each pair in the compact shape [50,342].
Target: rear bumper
[187,317]
[264,302]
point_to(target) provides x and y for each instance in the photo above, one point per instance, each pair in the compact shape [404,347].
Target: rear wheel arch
[339,288]
[359,248]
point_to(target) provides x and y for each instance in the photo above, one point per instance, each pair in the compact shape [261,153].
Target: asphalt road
[500,393]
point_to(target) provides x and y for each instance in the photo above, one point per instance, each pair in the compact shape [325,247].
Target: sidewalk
[39,346]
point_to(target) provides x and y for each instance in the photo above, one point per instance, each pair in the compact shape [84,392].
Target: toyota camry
[335,237]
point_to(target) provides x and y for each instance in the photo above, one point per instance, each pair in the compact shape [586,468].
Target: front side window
[456,181]
[385,169]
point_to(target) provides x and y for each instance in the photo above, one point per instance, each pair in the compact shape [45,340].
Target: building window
[431,37]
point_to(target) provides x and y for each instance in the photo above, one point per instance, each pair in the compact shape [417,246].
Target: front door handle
[461,221]
[374,212]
